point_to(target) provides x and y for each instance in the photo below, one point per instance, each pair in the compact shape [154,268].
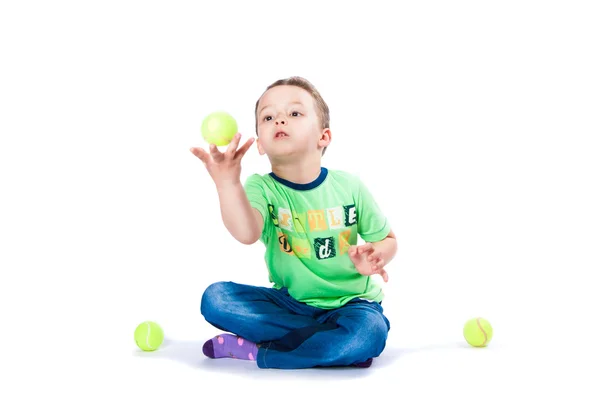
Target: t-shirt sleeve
[255,192]
[373,225]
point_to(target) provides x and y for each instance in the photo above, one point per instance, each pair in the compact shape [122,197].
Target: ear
[325,139]
[261,150]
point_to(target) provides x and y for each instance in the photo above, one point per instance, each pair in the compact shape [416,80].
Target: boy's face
[288,123]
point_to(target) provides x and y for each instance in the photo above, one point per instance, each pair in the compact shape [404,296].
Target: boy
[323,308]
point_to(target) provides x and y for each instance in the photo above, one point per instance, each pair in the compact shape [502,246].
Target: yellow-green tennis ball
[148,336]
[219,128]
[478,332]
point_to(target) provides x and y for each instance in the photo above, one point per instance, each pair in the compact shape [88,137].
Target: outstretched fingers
[200,153]
[232,147]
[244,148]
[217,155]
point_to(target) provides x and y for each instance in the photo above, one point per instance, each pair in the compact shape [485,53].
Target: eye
[295,113]
[267,118]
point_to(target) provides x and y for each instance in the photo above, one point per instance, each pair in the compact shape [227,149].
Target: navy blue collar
[302,187]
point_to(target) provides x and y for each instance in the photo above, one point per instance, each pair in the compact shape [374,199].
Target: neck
[299,171]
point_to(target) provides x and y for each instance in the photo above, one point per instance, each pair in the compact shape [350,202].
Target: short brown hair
[321,106]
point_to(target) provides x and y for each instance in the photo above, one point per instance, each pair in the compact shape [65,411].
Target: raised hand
[224,167]
[367,261]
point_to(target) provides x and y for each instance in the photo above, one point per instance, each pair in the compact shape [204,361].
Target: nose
[280,120]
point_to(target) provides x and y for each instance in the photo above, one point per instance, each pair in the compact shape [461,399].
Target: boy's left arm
[385,248]
[371,258]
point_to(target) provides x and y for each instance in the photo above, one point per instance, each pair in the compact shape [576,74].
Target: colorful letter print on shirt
[307,231]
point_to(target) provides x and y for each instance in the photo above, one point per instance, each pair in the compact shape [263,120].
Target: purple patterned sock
[230,346]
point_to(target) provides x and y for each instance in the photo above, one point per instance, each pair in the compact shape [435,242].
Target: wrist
[387,247]
[228,185]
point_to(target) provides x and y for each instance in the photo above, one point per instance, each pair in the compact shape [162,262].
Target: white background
[475,124]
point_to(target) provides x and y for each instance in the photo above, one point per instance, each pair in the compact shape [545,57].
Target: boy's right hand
[224,168]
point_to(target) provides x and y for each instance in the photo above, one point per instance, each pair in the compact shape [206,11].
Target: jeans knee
[373,335]
[364,340]
[378,335]
[214,299]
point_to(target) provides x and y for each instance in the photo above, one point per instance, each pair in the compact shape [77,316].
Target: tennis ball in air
[219,128]
[148,336]
[478,332]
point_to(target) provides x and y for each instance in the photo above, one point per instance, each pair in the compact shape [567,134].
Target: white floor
[89,363]
[419,380]
[527,375]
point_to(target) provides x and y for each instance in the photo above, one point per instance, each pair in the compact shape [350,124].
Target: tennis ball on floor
[148,336]
[478,332]
[219,128]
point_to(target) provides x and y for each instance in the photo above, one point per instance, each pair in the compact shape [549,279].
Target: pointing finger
[384,275]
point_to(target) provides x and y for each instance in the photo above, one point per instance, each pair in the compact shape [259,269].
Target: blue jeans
[293,334]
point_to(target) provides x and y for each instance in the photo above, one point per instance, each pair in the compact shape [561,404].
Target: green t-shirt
[307,231]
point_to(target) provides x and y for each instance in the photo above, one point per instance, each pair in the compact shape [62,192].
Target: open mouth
[280,135]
